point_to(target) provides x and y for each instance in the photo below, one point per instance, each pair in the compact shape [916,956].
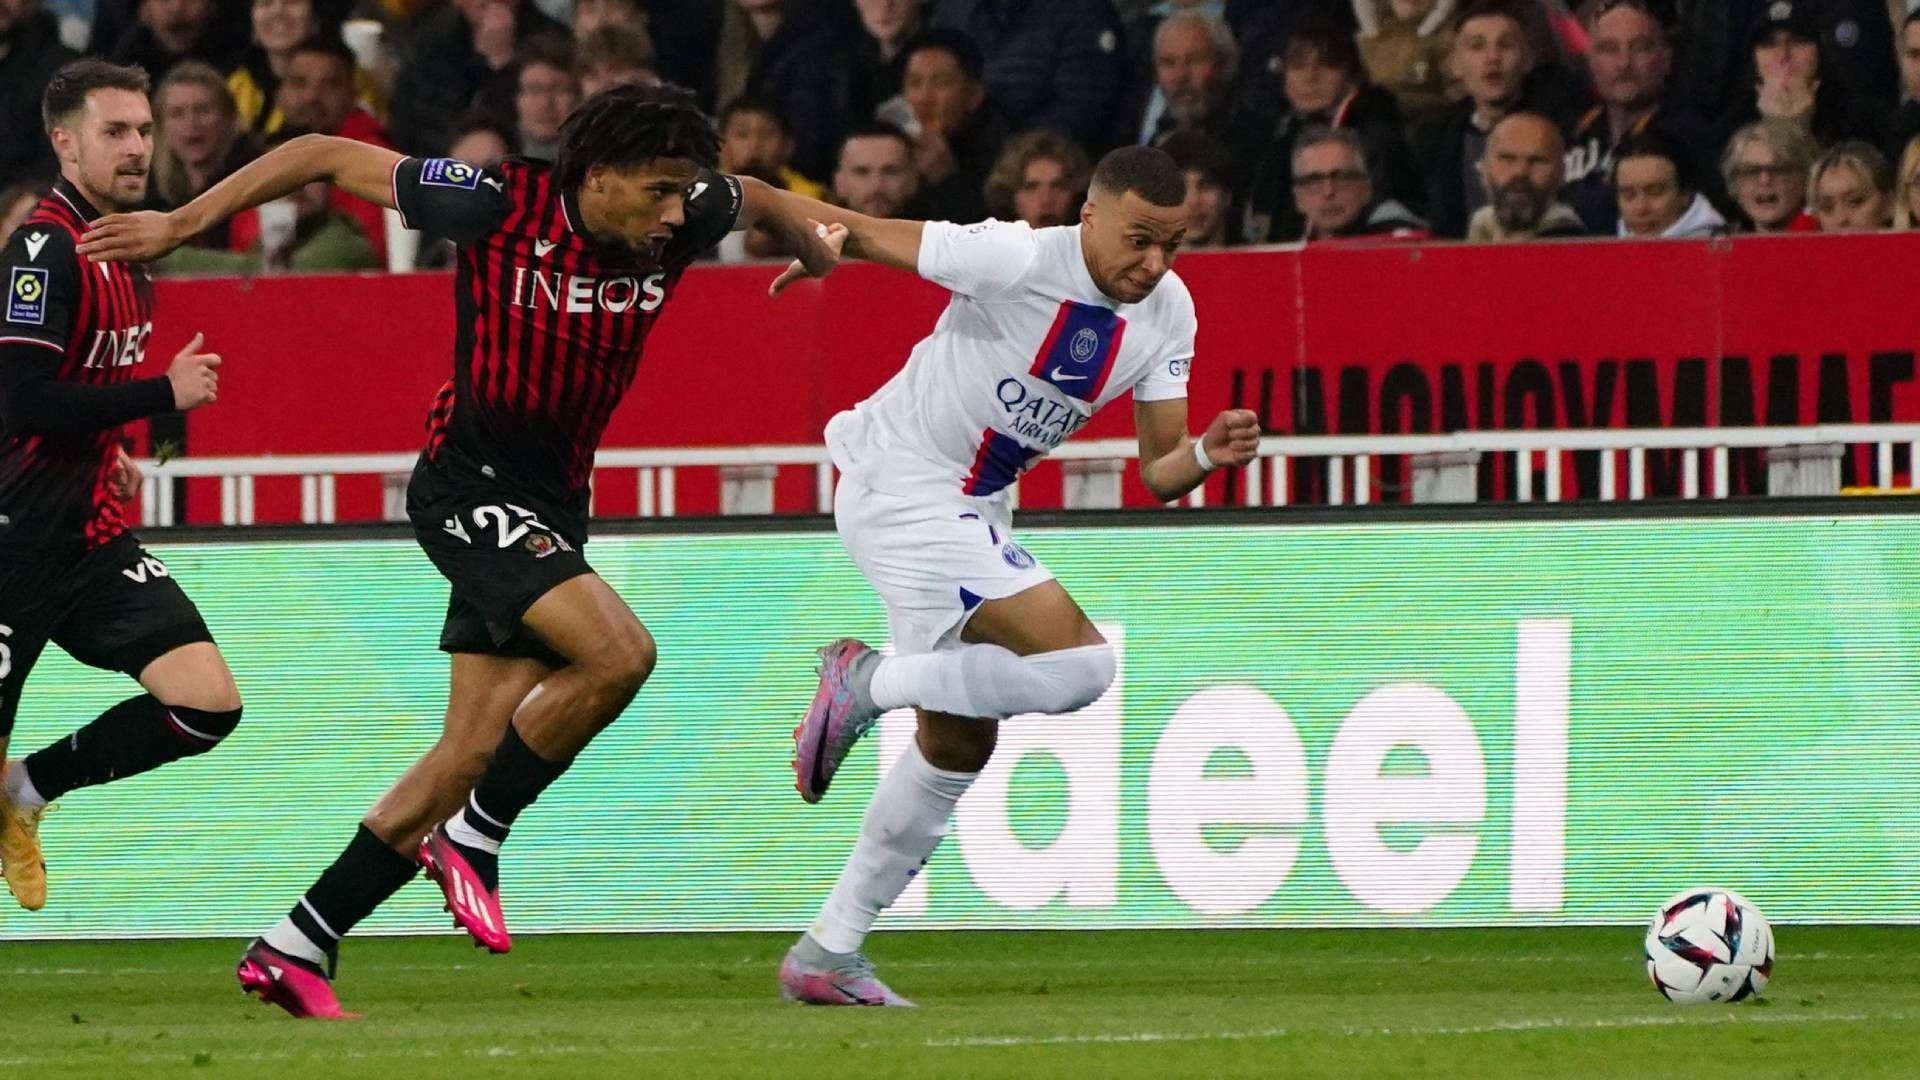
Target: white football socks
[20,789]
[290,940]
[462,832]
[904,823]
[993,683]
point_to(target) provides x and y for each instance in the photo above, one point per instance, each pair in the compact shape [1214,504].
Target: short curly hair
[627,126]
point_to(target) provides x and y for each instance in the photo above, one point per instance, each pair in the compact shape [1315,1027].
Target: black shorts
[116,608]
[500,549]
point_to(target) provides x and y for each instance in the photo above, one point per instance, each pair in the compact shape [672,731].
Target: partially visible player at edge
[73,344]
[562,272]
[1045,326]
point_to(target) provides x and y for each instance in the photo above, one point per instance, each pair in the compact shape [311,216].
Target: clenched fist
[1233,438]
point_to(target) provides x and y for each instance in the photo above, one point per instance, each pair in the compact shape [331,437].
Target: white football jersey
[1027,350]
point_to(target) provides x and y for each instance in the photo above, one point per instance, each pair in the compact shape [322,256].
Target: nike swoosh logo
[541,247]
[34,244]
[697,189]
[1058,375]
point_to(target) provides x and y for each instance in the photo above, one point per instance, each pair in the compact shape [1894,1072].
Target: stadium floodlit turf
[1450,1003]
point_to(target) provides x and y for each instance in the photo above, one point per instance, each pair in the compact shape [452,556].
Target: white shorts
[933,559]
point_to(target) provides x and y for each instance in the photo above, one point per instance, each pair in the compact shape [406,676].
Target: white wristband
[1200,455]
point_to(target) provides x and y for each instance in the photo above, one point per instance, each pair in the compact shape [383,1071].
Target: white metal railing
[1348,461]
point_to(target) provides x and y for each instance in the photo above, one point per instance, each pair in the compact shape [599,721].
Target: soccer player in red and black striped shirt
[562,272]
[73,344]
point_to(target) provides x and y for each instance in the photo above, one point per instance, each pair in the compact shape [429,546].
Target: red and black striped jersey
[549,323]
[86,323]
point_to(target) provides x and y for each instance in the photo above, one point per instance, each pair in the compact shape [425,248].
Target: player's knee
[203,729]
[625,662]
[1071,679]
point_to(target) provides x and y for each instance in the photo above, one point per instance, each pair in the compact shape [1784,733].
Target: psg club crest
[1079,351]
[1016,556]
[1085,343]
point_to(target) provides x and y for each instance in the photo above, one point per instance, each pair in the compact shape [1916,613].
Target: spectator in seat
[1522,167]
[1405,44]
[1495,65]
[457,56]
[754,142]
[1054,64]
[957,131]
[1194,62]
[1787,76]
[1333,191]
[787,52]
[197,141]
[1629,58]
[1852,188]
[30,52]
[481,140]
[1326,85]
[1041,179]
[876,176]
[17,201]
[316,94]
[871,59]
[1906,120]
[166,32]
[1711,65]
[279,26]
[589,16]
[302,233]
[1659,193]
[680,34]
[545,91]
[1208,165]
[1765,167]
[1906,202]
[614,55]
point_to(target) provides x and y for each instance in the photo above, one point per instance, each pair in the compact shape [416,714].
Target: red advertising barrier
[1792,330]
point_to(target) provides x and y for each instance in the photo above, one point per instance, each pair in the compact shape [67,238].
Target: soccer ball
[1708,945]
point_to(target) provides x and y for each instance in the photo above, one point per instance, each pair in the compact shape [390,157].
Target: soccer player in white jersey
[1045,326]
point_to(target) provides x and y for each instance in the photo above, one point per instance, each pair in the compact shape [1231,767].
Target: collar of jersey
[72,197]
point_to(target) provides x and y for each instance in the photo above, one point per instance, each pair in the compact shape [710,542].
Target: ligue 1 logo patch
[1016,556]
[27,296]
[449,172]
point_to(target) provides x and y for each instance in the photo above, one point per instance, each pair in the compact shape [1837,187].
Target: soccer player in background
[1045,326]
[73,350]
[562,271]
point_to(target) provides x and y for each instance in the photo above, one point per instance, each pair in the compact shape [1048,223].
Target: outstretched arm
[360,169]
[887,241]
[1170,462]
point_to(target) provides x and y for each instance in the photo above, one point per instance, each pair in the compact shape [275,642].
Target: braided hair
[624,127]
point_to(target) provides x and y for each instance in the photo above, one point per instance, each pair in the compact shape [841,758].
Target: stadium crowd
[1481,120]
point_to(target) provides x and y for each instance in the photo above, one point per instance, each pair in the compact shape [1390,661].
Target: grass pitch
[1444,1003]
